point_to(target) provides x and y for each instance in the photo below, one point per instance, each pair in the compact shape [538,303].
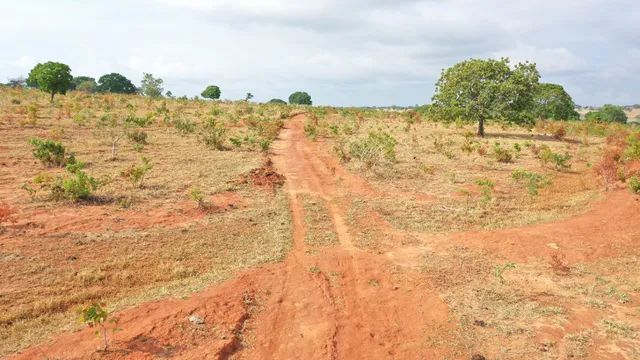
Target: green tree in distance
[300,98]
[478,90]
[150,86]
[553,102]
[51,77]
[211,92]
[607,113]
[116,83]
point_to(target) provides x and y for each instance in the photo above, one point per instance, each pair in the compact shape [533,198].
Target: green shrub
[373,150]
[95,316]
[213,133]
[78,186]
[533,181]
[632,151]
[133,120]
[634,184]
[51,153]
[501,154]
[560,162]
[486,188]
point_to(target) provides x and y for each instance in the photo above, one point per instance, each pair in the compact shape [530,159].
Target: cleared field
[393,236]
[127,243]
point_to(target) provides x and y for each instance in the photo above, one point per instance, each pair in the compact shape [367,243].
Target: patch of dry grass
[533,312]
[128,244]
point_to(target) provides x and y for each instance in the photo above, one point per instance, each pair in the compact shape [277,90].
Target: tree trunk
[481,127]
[52,93]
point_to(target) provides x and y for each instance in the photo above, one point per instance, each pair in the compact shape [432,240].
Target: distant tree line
[472,90]
[55,78]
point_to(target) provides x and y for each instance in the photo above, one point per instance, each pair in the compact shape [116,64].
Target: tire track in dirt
[352,318]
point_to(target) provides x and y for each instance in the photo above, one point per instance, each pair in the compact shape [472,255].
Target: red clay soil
[335,302]
[338,303]
[610,228]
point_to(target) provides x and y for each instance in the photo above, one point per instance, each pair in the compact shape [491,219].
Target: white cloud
[344,52]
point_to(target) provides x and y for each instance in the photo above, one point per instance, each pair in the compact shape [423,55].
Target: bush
[533,181]
[632,150]
[213,134]
[559,161]
[374,149]
[133,120]
[77,187]
[634,184]
[51,153]
[501,154]
[486,188]
[608,113]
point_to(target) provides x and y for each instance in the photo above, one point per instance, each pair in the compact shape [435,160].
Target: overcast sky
[343,52]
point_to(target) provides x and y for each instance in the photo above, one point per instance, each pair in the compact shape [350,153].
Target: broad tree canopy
[553,102]
[116,83]
[477,90]
[300,98]
[51,77]
[211,92]
[608,113]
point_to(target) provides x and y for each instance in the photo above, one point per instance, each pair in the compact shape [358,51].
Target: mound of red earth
[266,175]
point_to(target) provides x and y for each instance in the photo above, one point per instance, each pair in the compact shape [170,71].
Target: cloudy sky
[343,52]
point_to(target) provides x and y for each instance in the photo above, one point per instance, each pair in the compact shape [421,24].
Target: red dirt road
[335,302]
[339,303]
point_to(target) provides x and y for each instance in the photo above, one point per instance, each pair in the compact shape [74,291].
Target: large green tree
[151,87]
[553,102]
[608,113]
[478,90]
[300,98]
[51,77]
[211,92]
[116,83]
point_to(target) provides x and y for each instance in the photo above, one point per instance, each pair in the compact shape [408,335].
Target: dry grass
[319,224]
[433,184]
[534,312]
[128,244]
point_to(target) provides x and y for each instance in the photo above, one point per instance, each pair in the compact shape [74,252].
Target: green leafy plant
[486,189]
[51,153]
[533,181]
[95,316]
[632,151]
[196,195]
[213,133]
[377,147]
[559,161]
